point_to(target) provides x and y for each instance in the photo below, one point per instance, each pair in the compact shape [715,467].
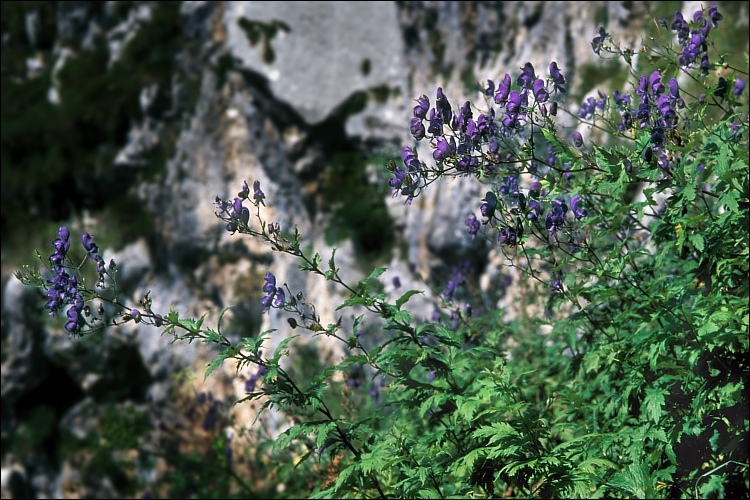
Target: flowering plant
[629,238]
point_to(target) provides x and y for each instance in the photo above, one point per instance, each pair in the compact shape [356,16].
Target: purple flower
[463,117]
[503,89]
[558,79]
[270,285]
[739,85]
[556,285]
[417,128]
[280,298]
[714,15]
[507,236]
[436,123]
[655,82]
[472,131]
[444,149]
[136,315]
[598,42]
[509,186]
[578,211]
[272,292]
[674,88]
[75,320]
[556,216]
[62,245]
[514,103]
[577,139]
[473,224]
[88,243]
[258,195]
[539,90]
[642,86]
[490,88]
[467,163]
[457,279]
[443,106]
[527,76]
[535,210]
[396,282]
[621,100]
[588,108]
[423,105]
[245,191]
[489,205]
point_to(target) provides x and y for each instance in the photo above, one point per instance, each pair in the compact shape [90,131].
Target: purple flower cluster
[508,236]
[473,224]
[93,250]
[63,288]
[556,215]
[535,210]
[274,295]
[406,180]
[235,211]
[598,42]
[693,40]
[556,285]
[578,211]
[590,105]
[516,103]
[657,111]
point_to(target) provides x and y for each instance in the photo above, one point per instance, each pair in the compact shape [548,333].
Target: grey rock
[23,366]
[331,51]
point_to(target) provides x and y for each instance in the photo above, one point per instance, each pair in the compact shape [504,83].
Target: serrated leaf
[495,432]
[281,347]
[226,353]
[697,241]
[354,300]
[634,480]
[653,402]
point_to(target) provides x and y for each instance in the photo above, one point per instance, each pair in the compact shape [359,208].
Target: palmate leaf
[634,481]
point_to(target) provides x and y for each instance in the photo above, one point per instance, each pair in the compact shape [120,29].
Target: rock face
[278,90]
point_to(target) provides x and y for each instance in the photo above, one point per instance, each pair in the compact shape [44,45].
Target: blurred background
[127,119]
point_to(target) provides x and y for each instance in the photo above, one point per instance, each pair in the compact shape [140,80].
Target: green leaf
[281,349]
[354,300]
[495,432]
[402,300]
[653,402]
[697,241]
[377,272]
[331,263]
[634,480]
[229,352]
